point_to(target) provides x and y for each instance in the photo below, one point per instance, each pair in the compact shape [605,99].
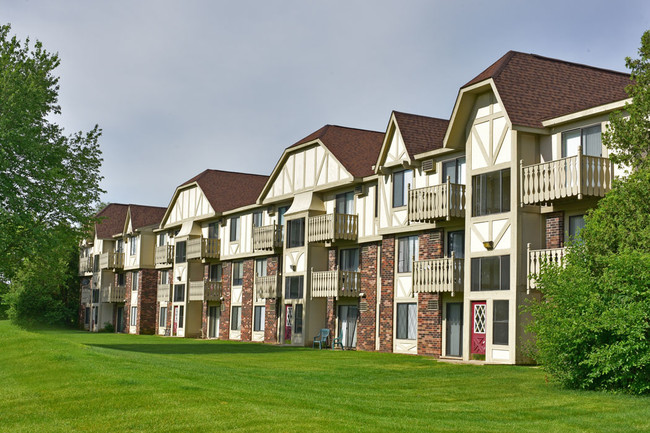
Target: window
[234,229]
[257,219]
[215,272]
[260,267]
[134,315]
[162,240]
[162,320]
[258,321]
[500,323]
[407,251]
[95,296]
[213,231]
[456,244]
[407,321]
[134,281]
[164,277]
[119,246]
[349,260]
[87,316]
[491,273]
[491,193]
[179,292]
[345,203]
[281,211]
[401,181]
[180,252]
[576,223]
[237,273]
[96,263]
[296,233]
[133,245]
[181,313]
[454,170]
[589,138]
[235,318]
[293,287]
[121,280]
[297,320]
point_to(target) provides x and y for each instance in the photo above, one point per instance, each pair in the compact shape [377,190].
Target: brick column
[224,322]
[204,307]
[387,294]
[271,319]
[431,246]
[366,327]
[148,292]
[247,300]
[555,230]
[129,301]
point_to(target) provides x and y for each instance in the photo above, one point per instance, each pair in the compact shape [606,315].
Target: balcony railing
[575,176]
[438,202]
[267,238]
[438,275]
[205,291]
[536,258]
[111,261]
[335,283]
[85,265]
[113,294]
[203,248]
[332,227]
[165,255]
[164,292]
[267,287]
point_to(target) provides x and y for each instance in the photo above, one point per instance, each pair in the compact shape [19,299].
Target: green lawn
[63,381]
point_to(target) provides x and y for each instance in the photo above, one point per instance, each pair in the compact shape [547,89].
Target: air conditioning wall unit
[429,166]
[271,210]
[360,190]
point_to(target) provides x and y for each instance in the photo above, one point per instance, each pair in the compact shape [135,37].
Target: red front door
[479,310]
[175,325]
[288,322]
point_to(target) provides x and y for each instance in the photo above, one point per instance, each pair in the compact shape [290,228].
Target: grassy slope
[61,381]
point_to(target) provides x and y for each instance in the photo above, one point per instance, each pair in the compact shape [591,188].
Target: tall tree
[49,181]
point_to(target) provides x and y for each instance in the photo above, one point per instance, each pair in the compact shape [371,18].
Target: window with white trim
[258,319]
[401,181]
[407,321]
[407,252]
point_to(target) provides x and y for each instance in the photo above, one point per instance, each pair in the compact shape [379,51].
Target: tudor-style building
[421,239]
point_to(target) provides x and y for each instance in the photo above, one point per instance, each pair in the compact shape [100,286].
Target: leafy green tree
[49,181]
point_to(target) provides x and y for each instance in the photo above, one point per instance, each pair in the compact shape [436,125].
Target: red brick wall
[147,291]
[271,319]
[127,304]
[224,322]
[387,292]
[204,309]
[431,246]
[366,327]
[555,230]
[331,259]
[247,300]
[330,316]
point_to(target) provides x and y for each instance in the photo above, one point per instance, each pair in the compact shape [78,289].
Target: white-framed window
[296,233]
[257,219]
[162,319]
[134,281]
[407,321]
[260,267]
[237,273]
[134,315]
[258,319]
[293,287]
[215,272]
[162,239]
[297,320]
[491,193]
[235,318]
[500,323]
[345,203]
[119,246]
[490,273]
[349,259]
[454,170]
[164,277]
[133,245]
[576,223]
[234,229]
[401,181]
[179,249]
[407,252]
[456,244]
[179,292]
[588,138]
[121,279]
[213,231]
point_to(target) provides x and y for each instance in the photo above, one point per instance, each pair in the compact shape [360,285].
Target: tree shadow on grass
[199,348]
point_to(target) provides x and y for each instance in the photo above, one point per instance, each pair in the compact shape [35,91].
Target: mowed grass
[70,381]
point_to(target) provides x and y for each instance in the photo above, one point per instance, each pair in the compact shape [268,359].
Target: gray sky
[181,86]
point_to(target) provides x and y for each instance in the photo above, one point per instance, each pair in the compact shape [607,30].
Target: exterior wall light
[489,245]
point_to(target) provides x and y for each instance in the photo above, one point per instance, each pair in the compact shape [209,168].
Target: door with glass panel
[454,328]
[119,326]
[348,316]
[214,313]
[479,318]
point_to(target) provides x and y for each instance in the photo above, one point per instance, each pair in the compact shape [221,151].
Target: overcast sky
[181,86]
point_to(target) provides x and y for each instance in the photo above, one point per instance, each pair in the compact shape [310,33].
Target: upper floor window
[349,259]
[588,138]
[260,267]
[576,223]
[180,252]
[214,272]
[164,277]
[456,244]
[134,281]
[133,245]
[296,233]
[454,170]
[407,252]
[491,193]
[490,273]
[345,203]
[179,294]
[281,211]
[401,181]
[121,279]
[293,287]
[162,240]
[213,231]
[119,246]
[237,273]
[234,229]
[258,219]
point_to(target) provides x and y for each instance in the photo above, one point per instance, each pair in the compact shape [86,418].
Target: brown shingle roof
[142,216]
[535,88]
[421,133]
[112,220]
[356,149]
[226,190]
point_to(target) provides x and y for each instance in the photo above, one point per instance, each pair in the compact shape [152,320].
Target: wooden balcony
[575,176]
[111,261]
[438,202]
[537,258]
[203,248]
[332,227]
[335,283]
[267,287]
[85,265]
[164,292]
[205,291]
[267,238]
[113,294]
[438,275]
[165,255]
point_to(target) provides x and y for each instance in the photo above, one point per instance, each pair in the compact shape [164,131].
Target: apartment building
[418,239]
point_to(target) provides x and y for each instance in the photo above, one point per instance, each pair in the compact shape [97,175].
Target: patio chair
[338,341]
[321,338]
